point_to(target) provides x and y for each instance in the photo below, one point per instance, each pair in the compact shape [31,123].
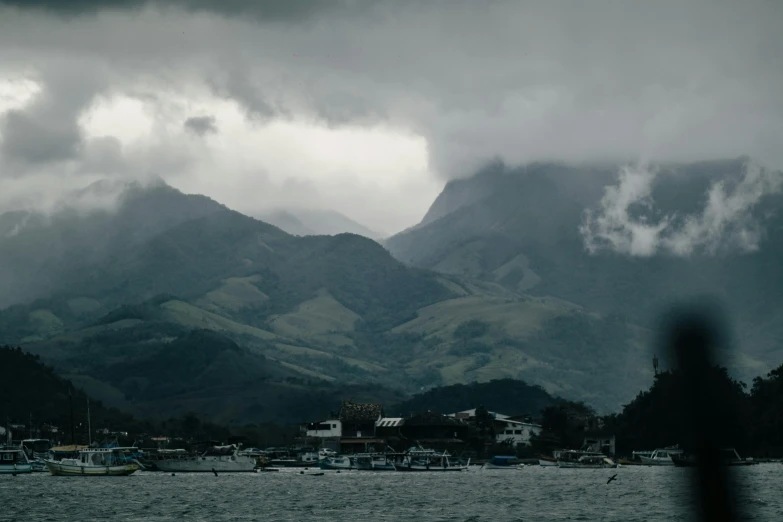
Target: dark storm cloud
[35,138]
[48,129]
[201,125]
[522,81]
[272,10]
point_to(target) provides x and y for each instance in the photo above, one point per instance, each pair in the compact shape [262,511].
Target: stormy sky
[369,107]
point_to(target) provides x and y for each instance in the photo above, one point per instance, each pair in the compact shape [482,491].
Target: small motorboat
[547,461]
[337,462]
[215,459]
[660,457]
[502,462]
[729,457]
[418,459]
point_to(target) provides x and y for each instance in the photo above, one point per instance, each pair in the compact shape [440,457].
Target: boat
[14,461]
[37,451]
[149,461]
[337,462]
[729,457]
[545,461]
[376,461]
[588,462]
[94,462]
[418,459]
[502,462]
[215,459]
[583,459]
[660,457]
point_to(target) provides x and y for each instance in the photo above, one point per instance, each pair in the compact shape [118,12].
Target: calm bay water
[533,493]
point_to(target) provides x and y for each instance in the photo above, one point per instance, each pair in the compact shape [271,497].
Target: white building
[507,430]
[515,432]
[325,429]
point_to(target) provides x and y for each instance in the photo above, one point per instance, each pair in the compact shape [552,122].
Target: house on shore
[352,430]
[509,430]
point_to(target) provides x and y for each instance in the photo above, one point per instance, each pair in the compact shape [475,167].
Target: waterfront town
[356,431]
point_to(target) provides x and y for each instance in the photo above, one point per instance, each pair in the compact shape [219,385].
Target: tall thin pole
[70,400]
[89,427]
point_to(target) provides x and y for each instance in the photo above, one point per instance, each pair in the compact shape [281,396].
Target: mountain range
[161,303]
[523,229]
[316,222]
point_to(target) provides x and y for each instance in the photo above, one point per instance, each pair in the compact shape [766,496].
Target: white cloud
[725,222]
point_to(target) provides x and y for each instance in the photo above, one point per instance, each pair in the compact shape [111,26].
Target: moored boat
[216,459]
[94,462]
[14,461]
[588,462]
[375,461]
[660,457]
[545,461]
[37,451]
[417,459]
[337,462]
[583,459]
[502,462]
[729,457]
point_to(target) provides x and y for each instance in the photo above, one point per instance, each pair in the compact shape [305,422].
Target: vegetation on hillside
[520,227]
[507,396]
[750,420]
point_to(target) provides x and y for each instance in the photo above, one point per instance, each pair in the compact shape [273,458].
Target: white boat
[14,461]
[337,462]
[37,451]
[502,462]
[425,460]
[374,462]
[216,459]
[94,462]
[660,457]
[588,462]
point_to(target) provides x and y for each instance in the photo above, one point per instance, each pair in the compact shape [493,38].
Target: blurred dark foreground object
[693,337]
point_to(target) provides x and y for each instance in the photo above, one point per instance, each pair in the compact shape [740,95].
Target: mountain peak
[316,222]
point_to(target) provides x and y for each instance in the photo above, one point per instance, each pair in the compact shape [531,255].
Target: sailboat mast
[70,400]
[89,427]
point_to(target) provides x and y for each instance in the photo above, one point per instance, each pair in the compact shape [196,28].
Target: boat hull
[574,465]
[689,463]
[649,461]
[207,465]
[15,469]
[331,464]
[494,466]
[547,462]
[73,470]
[431,469]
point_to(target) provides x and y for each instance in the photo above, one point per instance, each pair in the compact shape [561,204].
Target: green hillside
[519,228]
[507,396]
[314,312]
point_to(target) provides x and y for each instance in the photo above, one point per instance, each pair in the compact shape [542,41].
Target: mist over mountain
[316,222]
[122,286]
[41,250]
[624,242]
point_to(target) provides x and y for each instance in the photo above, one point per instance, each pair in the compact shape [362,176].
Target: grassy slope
[333,308]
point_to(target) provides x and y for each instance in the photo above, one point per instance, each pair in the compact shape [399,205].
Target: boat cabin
[10,456]
[102,457]
[36,448]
